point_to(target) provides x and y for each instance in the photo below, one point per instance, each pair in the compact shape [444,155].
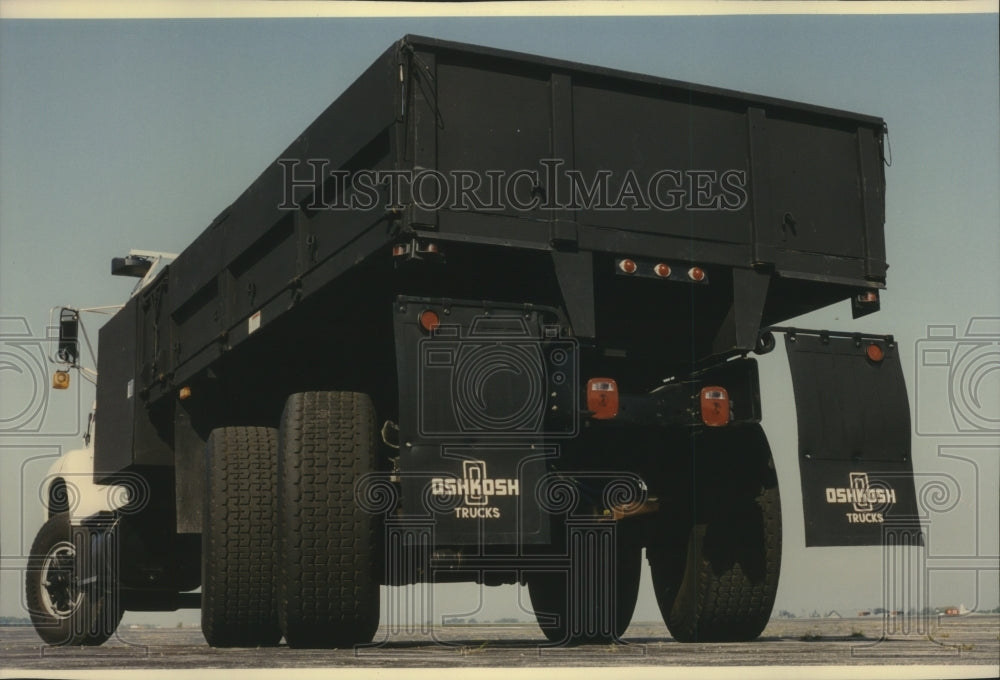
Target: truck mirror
[69,329]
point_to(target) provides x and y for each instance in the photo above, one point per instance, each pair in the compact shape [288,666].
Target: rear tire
[64,612]
[239,536]
[715,563]
[329,585]
[576,605]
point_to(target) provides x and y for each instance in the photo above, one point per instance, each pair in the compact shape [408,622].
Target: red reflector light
[870,296]
[662,270]
[627,266]
[875,353]
[714,406]
[429,320]
[696,274]
[602,398]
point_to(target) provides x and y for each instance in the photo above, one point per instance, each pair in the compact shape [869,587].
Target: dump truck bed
[591,161]
[812,177]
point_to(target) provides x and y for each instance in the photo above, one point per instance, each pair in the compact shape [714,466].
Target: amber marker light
[875,353]
[60,380]
[602,398]
[715,406]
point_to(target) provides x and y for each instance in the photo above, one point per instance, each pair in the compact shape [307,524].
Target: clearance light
[429,320]
[714,406]
[431,248]
[184,393]
[602,398]
[662,270]
[875,353]
[628,266]
[60,380]
[870,296]
[696,274]
[400,250]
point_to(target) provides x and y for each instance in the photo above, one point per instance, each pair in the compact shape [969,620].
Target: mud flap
[854,438]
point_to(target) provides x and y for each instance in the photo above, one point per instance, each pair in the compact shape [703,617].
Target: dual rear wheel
[715,562]
[714,555]
[286,549]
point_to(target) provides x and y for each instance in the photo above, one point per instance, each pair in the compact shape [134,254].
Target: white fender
[84,498]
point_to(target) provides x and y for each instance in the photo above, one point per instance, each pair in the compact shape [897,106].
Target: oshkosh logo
[474,485]
[862,498]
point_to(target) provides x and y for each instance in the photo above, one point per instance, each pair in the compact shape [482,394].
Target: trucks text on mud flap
[489,319]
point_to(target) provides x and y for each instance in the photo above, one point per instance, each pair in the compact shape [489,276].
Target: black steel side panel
[854,440]
[812,181]
[131,432]
[255,249]
[116,392]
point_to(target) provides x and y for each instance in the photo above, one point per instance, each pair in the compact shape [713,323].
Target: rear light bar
[602,398]
[660,269]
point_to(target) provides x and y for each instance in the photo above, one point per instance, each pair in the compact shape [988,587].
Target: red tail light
[602,398]
[662,270]
[628,266]
[696,274]
[715,406]
[429,320]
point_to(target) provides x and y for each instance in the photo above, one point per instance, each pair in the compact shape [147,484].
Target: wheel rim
[60,596]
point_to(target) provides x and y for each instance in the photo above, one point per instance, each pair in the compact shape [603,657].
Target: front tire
[66,607]
[329,585]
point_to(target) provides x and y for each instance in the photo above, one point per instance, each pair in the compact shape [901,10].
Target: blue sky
[135,134]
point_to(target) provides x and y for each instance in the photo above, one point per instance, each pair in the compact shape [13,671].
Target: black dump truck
[490,318]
